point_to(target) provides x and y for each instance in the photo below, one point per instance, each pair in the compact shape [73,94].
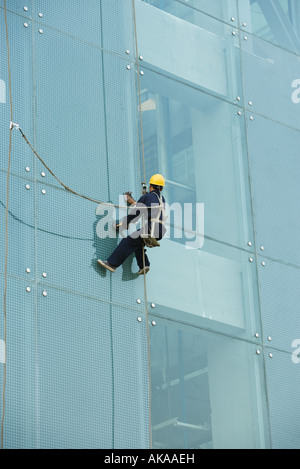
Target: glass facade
[210,98]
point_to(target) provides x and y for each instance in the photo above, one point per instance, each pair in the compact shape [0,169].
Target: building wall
[217,114]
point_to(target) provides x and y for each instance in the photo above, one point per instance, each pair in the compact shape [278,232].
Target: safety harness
[148,238]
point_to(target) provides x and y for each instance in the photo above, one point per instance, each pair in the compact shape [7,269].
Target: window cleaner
[151,206]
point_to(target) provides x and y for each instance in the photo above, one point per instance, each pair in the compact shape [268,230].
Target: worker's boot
[144,271]
[106,265]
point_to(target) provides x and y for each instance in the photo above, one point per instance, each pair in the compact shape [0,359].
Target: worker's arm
[129,199]
[140,207]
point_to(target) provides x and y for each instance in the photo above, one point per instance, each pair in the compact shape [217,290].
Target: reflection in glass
[197,142]
[203,388]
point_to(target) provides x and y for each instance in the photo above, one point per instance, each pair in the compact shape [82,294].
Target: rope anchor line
[15,126]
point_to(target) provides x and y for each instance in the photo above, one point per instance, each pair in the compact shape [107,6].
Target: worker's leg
[126,247]
[139,257]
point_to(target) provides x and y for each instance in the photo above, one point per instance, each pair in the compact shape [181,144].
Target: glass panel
[189,9]
[275,169]
[69,243]
[283,382]
[20,39]
[204,390]
[198,143]
[207,42]
[21,226]
[85,114]
[131,410]
[93,378]
[213,287]
[20,429]
[70,125]
[75,372]
[17,6]
[271,84]
[75,19]
[118,27]
[275,21]
[280,300]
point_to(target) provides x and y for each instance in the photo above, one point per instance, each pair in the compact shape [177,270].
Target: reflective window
[189,10]
[198,143]
[202,390]
[204,54]
[275,21]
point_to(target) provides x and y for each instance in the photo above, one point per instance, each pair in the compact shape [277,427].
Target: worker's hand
[129,199]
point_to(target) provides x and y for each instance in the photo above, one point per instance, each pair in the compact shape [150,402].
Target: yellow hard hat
[157,180]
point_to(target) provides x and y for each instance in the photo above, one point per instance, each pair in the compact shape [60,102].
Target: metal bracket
[13,126]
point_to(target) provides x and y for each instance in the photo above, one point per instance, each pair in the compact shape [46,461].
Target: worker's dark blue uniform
[134,243]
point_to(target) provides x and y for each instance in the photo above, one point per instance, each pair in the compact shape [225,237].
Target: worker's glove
[128,198]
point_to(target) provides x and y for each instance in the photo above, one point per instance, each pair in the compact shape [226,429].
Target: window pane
[204,40]
[203,388]
[198,142]
[213,287]
[271,81]
[283,397]
[274,21]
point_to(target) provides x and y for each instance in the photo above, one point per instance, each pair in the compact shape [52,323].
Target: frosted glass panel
[21,64]
[283,398]
[20,429]
[269,75]
[275,169]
